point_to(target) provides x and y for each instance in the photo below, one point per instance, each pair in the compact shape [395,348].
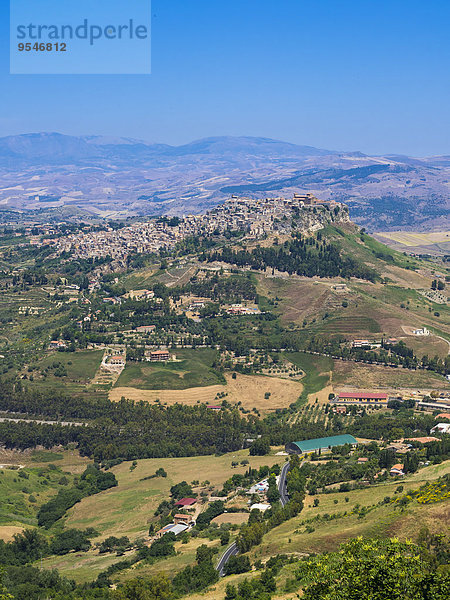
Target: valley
[149,394]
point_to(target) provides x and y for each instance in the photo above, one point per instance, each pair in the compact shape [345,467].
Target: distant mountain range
[113,177]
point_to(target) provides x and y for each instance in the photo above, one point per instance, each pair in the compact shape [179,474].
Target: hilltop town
[255,219]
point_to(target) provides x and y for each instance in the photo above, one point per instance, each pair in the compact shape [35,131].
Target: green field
[351,324]
[316,368]
[80,366]
[193,368]
[70,372]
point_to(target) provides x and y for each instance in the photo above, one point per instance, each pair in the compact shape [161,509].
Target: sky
[368,75]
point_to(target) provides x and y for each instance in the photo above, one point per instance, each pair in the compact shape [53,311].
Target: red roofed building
[159,356]
[361,398]
[186,502]
[443,416]
[180,518]
[397,470]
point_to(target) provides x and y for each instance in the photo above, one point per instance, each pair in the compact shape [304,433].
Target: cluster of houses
[238,309]
[181,521]
[256,218]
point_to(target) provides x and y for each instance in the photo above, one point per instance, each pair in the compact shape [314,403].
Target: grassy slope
[82,368]
[291,536]
[383,521]
[358,375]
[15,491]
[316,368]
[193,370]
[128,508]
[372,310]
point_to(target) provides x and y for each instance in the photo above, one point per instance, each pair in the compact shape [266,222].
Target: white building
[423,331]
[441,428]
[260,506]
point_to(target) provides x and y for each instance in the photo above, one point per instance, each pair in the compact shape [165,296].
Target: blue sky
[369,75]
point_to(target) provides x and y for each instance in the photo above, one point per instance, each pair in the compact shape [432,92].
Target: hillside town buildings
[255,218]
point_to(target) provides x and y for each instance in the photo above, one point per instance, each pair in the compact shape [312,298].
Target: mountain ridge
[120,176]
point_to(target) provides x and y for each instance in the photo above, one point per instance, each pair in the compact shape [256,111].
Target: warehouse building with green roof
[320,444]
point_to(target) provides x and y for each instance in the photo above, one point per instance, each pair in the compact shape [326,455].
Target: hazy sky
[369,75]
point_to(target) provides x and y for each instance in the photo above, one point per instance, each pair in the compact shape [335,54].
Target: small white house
[260,506]
[423,331]
[441,428]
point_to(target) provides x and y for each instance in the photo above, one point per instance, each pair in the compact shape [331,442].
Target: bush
[237,564]
[181,490]
[163,546]
[260,447]
[71,539]
[113,544]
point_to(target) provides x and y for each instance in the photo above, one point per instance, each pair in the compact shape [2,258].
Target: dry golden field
[233,518]
[413,238]
[7,532]
[248,389]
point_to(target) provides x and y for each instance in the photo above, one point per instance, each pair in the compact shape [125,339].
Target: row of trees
[92,481]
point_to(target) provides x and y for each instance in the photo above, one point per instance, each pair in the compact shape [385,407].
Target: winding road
[284,498]
[229,552]
[233,549]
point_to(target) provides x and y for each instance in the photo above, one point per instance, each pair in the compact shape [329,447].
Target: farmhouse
[320,444]
[360,343]
[259,488]
[186,502]
[117,359]
[171,528]
[159,356]
[396,470]
[57,345]
[361,398]
[196,304]
[182,519]
[140,294]
[423,331]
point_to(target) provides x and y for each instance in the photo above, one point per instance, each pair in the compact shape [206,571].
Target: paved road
[229,552]
[39,422]
[282,484]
